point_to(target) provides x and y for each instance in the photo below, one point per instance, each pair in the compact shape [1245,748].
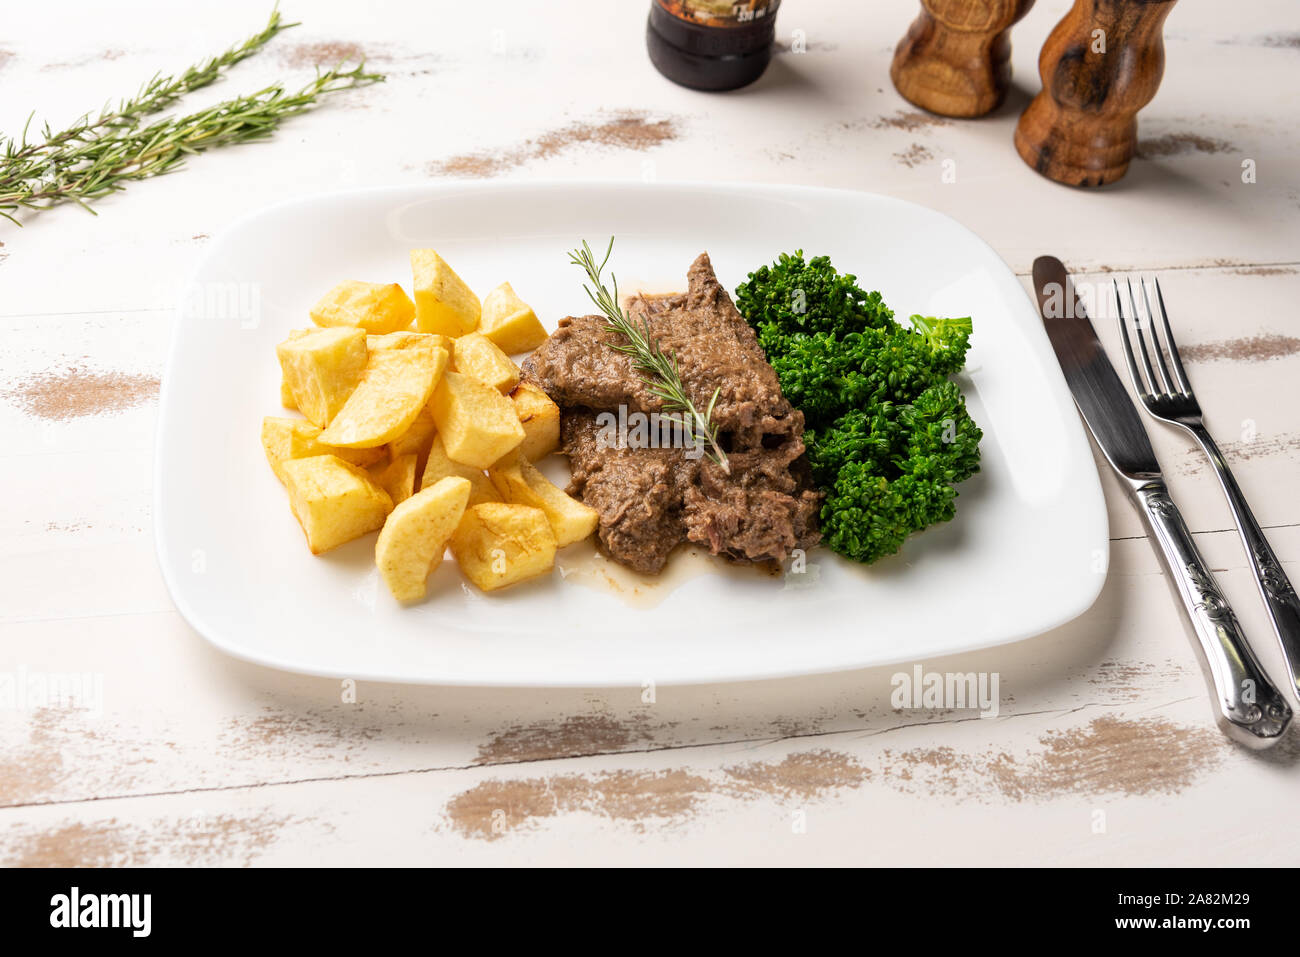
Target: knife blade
[1092,379]
[1248,707]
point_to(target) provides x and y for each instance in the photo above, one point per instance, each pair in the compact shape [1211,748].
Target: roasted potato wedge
[476,423]
[400,340]
[498,545]
[518,482]
[284,439]
[438,466]
[397,478]
[510,322]
[478,357]
[333,500]
[415,536]
[286,394]
[416,439]
[396,385]
[540,418]
[377,308]
[417,424]
[443,302]
[322,368]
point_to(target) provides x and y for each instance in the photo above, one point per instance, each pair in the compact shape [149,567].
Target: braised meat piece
[652,499]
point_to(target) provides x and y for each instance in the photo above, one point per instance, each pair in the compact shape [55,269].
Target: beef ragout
[650,500]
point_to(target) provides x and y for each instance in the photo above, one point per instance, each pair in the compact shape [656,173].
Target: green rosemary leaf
[156,95]
[661,374]
[83,171]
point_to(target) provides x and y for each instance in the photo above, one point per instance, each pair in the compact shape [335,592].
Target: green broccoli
[948,340]
[792,297]
[825,375]
[888,434]
[856,436]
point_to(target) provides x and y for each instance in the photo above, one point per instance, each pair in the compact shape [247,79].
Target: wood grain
[1100,66]
[955,59]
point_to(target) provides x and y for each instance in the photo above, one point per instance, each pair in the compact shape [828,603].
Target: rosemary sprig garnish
[660,373]
[156,95]
[101,155]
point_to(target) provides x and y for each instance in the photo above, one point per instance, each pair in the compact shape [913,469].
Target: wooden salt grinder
[1100,65]
[956,57]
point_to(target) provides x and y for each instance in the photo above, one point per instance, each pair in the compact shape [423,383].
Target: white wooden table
[1104,751]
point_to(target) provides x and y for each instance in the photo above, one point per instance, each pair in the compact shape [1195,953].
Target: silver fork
[1172,400]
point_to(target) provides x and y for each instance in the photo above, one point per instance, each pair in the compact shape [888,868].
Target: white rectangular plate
[1027,550]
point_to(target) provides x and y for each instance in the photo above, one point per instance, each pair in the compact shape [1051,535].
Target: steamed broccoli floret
[943,441]
[793,296]
[825,375]
[856,436]
[948,340]
[891,471]
[870,517]
[888,434]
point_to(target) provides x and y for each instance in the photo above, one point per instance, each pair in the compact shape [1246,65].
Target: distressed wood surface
[1103,750]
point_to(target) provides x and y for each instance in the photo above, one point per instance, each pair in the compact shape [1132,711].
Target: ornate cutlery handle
[1248,707]
[1279,595]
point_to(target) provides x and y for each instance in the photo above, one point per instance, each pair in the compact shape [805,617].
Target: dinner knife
[1248,707]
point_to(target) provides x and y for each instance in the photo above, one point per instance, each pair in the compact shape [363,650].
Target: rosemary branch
[660,372]
[100,154]
[156,95]
[87,171]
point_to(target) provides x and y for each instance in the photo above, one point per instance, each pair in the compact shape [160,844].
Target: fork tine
[1169,338]
[1142,343]
[1139,385]
[1166,379]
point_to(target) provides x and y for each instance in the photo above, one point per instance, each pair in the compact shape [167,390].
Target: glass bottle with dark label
[711,44]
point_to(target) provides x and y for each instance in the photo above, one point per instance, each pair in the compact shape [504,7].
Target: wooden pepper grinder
[1100,65]
[956,57]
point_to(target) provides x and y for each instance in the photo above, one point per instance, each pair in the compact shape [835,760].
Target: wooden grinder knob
[956,57]
[1100,65]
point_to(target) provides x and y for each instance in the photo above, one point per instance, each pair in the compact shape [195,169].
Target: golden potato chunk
[443,302]
[498,545]
[417,439]
[415,536]
[286,393]
[518,482]
[480,358]
[285,439]
[400,340]
[321,369]
[396,385]
[397,478]
[540,418]
[378,308]
[476,423]
[333,501]
[438,466]
[510,322]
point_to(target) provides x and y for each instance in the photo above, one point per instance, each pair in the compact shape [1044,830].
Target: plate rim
[1073,428]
